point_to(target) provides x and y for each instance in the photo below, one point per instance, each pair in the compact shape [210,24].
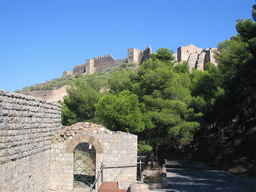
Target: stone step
[110,186]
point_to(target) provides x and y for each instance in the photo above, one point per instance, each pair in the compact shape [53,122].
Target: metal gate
[84,165]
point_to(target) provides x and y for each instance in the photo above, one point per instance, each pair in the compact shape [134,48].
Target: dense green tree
[121,112]
[237,64]
[254,12]
[151,102]
[182,67]
[82,96]
[163,54]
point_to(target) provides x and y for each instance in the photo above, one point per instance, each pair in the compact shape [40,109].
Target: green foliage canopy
[82,96]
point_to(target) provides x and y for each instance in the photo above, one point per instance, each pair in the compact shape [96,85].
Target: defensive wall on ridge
[38,154]
[50,95]
[196,57]
[103,63]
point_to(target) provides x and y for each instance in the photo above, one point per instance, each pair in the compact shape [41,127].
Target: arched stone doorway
[84,165]
[112,148]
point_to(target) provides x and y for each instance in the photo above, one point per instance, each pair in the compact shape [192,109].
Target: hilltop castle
[196,57]
[103,63]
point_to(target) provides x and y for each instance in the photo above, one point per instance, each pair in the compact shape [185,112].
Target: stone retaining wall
[27,125]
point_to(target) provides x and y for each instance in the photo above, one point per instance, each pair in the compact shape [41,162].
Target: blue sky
[40,39]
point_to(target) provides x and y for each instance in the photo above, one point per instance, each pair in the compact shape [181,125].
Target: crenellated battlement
[81,65]
[189,53]
[103,56]
[105,62]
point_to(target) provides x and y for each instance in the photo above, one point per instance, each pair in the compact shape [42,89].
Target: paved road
[182,177]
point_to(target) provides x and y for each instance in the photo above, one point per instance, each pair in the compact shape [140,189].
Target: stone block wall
[192,60]
[27,125]
[79,69]
[195,56]
[138,56]
[66,73]
[201,61]
[90,66]
[145,54]
[212,53]
[103,63]
[117,62]
[61,168]
[184,52]
[50,95]
[120,158]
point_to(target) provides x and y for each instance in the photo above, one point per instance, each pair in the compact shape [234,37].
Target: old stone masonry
[38,154]
[103,63]
[196,57]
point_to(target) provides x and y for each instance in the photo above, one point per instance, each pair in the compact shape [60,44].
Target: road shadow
[185,177]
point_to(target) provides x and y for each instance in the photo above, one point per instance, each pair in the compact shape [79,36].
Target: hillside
[69,79]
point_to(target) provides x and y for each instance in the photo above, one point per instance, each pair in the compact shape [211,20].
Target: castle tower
[184,52]
[90,66]
[138,56]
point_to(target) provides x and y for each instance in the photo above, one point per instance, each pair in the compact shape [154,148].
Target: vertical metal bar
[97,186]
[140,172]
[102,166]
[210,144]
[223,136]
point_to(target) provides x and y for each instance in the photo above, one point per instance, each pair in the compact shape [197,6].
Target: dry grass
[153,175]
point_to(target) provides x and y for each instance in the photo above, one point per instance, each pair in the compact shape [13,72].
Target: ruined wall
[66,73]
[192,60]
[196,57]
[118,151]
[117,62]
[212,53]
[79,69]
[26,127]
[201,61]
[145,54]
[103,63]
[138,56]
[184,52]
[50,95]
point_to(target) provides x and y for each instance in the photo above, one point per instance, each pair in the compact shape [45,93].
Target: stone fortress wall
[196,57]
[103,63]
[37,152]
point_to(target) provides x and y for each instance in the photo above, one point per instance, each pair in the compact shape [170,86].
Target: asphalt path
[186,177]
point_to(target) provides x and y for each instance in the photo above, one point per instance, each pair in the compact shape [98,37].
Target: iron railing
[98,176]
[114,165]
